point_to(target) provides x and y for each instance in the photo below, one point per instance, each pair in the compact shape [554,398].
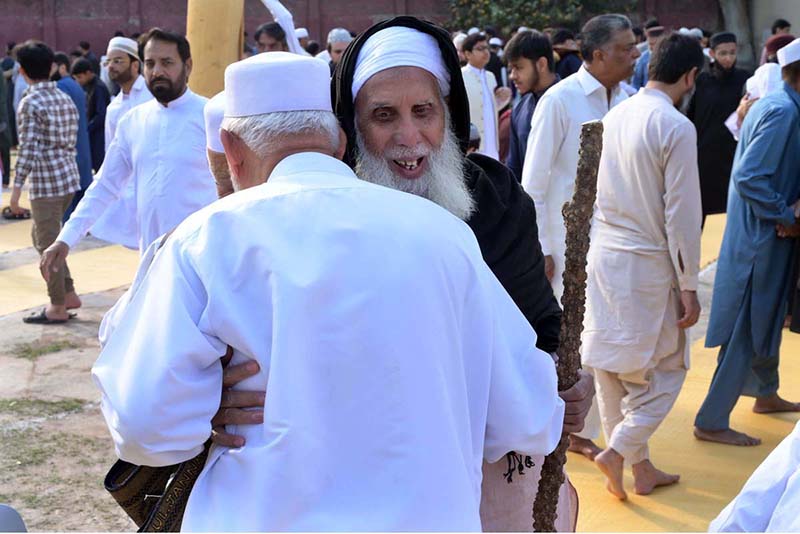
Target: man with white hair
[359,417]
[338,40]
[551,160]
[159,146]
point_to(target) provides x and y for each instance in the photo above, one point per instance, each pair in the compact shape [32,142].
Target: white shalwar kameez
[770,499]
[392,359]
[645,249]
[551,164]
[118,223]
[162,150]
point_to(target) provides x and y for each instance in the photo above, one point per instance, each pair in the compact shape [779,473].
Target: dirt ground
[54,445]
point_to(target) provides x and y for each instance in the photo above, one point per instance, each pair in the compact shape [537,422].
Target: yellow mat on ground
[6,199]
[712,238]
[93,270]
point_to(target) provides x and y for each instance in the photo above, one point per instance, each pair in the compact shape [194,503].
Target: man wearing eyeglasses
[118,223]
[480,86]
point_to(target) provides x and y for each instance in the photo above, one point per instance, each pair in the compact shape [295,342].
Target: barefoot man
[643,264]
[753,272]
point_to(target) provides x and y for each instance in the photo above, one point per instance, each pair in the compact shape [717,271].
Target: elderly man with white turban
[381,401]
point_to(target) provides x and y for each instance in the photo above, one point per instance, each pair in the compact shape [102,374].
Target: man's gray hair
[600,31]
[263,133]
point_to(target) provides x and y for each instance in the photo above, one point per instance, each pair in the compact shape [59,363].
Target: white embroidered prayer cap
[214,112]
[495,41]
[789,53]
[473,31]
[399,46]
[251,85]
[301,33]
[123,44]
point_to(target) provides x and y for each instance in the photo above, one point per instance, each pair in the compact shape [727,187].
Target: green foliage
[508,15]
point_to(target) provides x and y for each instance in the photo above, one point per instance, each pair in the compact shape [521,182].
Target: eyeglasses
[117,61]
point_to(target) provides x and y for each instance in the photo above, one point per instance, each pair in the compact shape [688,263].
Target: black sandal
[10,215]
[41,318]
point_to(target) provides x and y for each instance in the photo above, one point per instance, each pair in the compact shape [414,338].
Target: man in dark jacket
[97,100]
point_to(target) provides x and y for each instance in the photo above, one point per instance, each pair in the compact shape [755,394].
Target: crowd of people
[380,246]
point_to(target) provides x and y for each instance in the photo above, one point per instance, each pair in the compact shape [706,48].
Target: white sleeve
[284,18]
[107,187]
[159,374]
[525,413]
[753,509]
[544,141]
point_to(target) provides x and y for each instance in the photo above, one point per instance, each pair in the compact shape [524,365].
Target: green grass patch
[39,408]
[34,349]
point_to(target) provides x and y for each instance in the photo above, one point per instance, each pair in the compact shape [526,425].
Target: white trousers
[633,405]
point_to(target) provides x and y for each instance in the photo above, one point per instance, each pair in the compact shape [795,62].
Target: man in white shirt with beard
[160,146]
[381,402]
[551,161]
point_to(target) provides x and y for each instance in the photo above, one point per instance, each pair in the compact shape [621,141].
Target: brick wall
[63,23]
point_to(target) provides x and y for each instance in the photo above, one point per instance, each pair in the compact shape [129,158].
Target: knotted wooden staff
[578,221]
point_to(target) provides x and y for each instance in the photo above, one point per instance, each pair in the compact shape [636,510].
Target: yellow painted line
[93,270]
[712,238]
[15,235]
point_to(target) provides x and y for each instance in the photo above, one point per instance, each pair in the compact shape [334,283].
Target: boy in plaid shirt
[48,131]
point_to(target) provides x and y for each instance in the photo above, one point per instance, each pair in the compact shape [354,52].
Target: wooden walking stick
[578,221]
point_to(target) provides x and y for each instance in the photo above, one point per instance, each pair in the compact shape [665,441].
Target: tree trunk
[736,14]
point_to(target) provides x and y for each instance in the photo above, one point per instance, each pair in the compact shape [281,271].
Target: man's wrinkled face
[725,55]
[336,50]
[164,70]
[620,55]
[120,67]
[400,114]
[404,140]
[522,71]
[266,43]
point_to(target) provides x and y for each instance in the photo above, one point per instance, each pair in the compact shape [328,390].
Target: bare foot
[72,301]
[727,437]
[646,478]
[583,446]
[56,313]
[774,404]
[611,463]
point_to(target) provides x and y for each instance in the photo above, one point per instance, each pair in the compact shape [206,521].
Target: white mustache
[407,154]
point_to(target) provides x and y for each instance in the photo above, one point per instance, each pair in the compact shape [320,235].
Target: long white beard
[442,183]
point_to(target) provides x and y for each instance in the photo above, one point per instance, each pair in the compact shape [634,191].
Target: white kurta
[393,360]
[770,499]
[645,238]
[551,159]
[483,108]
[162,151]
[118,223]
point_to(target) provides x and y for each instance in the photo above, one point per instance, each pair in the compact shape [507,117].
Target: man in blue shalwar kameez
[748,306]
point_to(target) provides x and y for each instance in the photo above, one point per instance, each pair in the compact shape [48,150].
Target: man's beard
[122,77]
[168,92]
[443,181]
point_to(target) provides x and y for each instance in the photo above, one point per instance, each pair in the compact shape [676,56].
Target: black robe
[716,96]
[504,221]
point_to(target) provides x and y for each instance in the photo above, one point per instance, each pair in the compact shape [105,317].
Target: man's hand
[231,408]
[744,107]
[549,267]
[16,193]
[793,230]
[578,400]
[54,258]
[690,308]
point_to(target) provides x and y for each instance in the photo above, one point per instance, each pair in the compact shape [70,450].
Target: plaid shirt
[48,131]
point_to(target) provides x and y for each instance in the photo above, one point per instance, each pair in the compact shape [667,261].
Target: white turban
[789,53]
[399,46]
[214,112]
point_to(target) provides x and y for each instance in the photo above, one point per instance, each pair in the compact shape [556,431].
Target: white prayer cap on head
[495,41]
[399,46]
[301,33]
[123,44]
[789,53]
[459,39]
[339,35]
[523,29]
[304,84]
[214,112]
[473,30]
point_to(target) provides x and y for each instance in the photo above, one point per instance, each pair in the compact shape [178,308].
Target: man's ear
[541,65]
[188,66]
[234,151]
[339,154]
